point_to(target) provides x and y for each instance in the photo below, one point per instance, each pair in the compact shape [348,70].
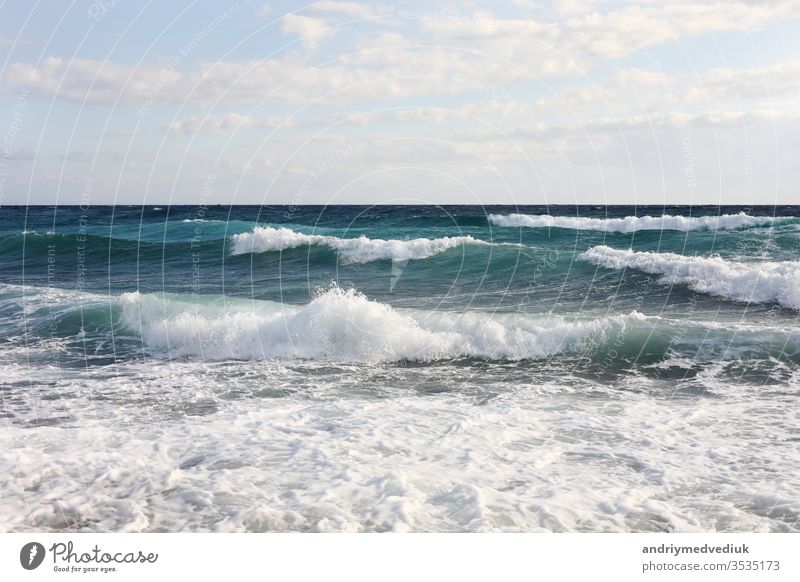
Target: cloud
[229,122]
[732,158]
[769,90]
[352,9]
[528,4]
[12,156]
[762,83]
[626,93]
[572,6]
[453,55]
[75,156]
[589,35]
[310,30]
[93,80]
[371,75]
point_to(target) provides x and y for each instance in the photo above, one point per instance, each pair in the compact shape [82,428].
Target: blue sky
[354,102]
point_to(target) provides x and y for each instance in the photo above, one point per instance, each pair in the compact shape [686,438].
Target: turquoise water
[399,368]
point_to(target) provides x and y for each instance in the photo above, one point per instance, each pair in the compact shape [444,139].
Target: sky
[339,102]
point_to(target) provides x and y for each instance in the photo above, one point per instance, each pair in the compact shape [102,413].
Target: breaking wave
[765,282]
[635,223]
[344,325]
[351,250]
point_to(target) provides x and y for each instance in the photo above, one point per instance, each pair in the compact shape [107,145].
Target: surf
[350,250]
[345,325]
[631,224]
[756,282]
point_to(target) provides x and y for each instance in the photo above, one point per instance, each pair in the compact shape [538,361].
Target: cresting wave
[344,325]
[351,250]
[766,282]
[635,223]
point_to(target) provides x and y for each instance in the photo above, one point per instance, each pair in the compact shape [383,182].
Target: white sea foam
[207,220]
[635,223]
[351,250]
[189,446]
[36,233]
[343,325]
[764,282]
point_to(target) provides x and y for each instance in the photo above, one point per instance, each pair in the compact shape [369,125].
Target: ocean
[400,368]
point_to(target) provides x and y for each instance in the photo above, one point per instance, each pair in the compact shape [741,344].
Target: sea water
[411,368]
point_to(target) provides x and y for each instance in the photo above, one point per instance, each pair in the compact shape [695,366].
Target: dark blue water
[187,249]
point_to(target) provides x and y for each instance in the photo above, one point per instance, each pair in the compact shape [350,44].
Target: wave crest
[767,282]
[351,250]
[630,224]
[344,325]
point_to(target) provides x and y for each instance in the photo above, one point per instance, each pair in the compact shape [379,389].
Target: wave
[36,233]
[765,282]
[206,220]
[630,224]
[351,250]
[344,325]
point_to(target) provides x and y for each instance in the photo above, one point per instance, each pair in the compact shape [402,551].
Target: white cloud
[572,6]
[368,76]
[230,122]
[475,50]
[769,90]
[590,35]
[352,9]
[736,86]
[626,93]
[310,30]
[529,4]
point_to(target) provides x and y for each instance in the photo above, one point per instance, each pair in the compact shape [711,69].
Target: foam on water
[344,325]
[763,282]
[351,250]
[189,447]
[634,223]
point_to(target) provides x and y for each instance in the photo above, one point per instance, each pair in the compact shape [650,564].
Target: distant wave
[344,325]
[635,223]
[36,233]
[207,220]
[766,282]
[351,250]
